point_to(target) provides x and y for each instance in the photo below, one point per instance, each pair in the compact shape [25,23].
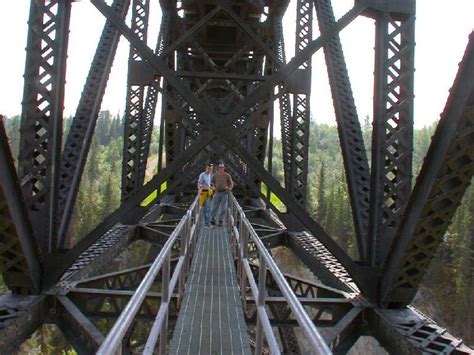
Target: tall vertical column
[392,141]
[42,114]
[133,160]
[152,98]
[301,108]
[284,101]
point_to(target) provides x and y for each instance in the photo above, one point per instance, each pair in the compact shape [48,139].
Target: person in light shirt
[205,192]
[222,184]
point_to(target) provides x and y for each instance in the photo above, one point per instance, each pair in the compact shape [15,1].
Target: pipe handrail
[315,339]
[113,341]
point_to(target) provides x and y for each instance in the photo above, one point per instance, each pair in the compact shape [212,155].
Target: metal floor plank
[211,319]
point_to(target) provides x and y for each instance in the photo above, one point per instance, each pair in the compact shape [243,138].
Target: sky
[441,36]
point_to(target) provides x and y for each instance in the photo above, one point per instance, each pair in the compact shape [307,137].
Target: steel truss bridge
[219,70]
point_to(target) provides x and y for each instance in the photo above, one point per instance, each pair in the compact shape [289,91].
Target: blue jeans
[207,211]
[219,203]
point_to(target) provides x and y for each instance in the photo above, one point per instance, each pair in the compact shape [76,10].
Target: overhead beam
[248,31]
[250,100]
[219,75]
[190,33]
[296,61]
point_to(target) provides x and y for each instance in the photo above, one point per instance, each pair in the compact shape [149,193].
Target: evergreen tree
[321,210]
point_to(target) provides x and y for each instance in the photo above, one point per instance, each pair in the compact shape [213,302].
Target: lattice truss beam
[445,176]
[393,129]
[41,121]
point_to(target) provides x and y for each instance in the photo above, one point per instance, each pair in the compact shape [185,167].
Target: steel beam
[356,165]
[392,140]
[294,63]
[78,329]
[41,120]
[63,268]
[406,331]
[298,177]
[445,176]
[138,124]
[284,101]
[82,129]
[20,256]
[190,33]
[250,33]
[319,261]
[123,279]
[219,75]
[109,304]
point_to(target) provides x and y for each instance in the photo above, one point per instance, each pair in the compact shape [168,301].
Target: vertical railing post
[165,298]
[243,253]
[262,274]
[195,221]
[184,250]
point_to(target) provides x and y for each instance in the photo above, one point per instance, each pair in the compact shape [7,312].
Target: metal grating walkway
[211,319]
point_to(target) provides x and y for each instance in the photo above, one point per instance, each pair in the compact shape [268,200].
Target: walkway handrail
[242,234]
[186,229]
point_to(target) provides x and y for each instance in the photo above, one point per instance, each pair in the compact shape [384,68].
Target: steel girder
[392,141]
[152,99]
[301,109]
[41,120]
[142,98]
[136,123]
[445,176]
[20,257]
[79,139]
[350,134]
[78,329]
[408,331]
[284,101]
[320,261]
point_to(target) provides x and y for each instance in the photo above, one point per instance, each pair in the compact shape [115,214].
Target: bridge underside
[219,80]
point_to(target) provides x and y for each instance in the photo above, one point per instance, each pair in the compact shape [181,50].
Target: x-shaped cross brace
[223,129]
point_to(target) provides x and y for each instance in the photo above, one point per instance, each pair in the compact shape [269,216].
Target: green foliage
[99,192]
[47,340]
